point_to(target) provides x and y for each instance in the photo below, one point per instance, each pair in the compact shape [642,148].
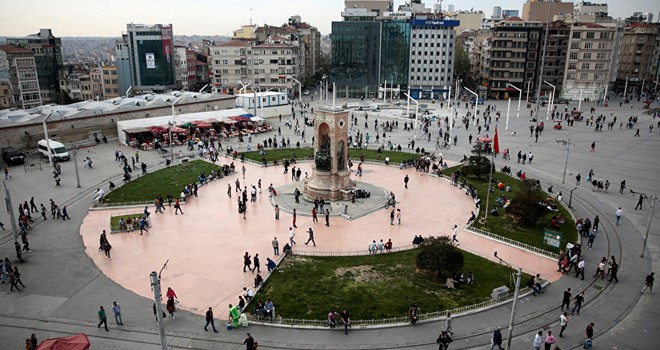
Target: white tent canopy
[142,125]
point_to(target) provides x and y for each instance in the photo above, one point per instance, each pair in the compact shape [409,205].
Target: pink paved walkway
[205,246]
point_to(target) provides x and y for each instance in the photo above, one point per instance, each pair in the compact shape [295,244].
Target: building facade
[555,56]
[47,50]
[395,52]
[19,67]
[515,51]
[123,63]
[544,10]
[151,55]
[432,54]
[591,49]
[637,54]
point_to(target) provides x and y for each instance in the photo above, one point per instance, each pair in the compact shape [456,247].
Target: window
[576,35]
[587,56]
[600,66]
[602,46]
[588,45]
[584,76]
[585,65]
[571,66]
[601,56]
[575,45]
[590,35]
[596,76]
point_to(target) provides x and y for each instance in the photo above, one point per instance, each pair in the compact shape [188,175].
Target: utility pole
[10,211]
[155,286]
[75,164]
[545,46]
[516,294]
[652,199]
[567,145]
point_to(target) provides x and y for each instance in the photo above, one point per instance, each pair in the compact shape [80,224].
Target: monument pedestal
[329,186]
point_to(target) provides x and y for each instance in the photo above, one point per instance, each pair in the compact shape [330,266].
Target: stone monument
[330,178]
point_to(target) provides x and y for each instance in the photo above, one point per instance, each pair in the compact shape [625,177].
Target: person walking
[593,147]
[398,216]
[277,212]
[177,207]
[589,331]
[257,263]
[249,342]
[327,217]
[65,214]
[311,237]
[497,340]
[448,323]
[566,301]
[454,234]
[618,215]
[276,246]
[171,308]
[247,262]
[294,218]
[579,299]
[405,181]
[392,217]
[116,310]
[563,322]
[579,269]
[640,202]
[209,320]
[549,340]
[314,216]
[538,340]
[13,280]
[648,282]
[291,236]
[614,268]
[578,177]
[103,320]
[346,319]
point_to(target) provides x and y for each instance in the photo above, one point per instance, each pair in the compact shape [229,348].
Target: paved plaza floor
[67,279]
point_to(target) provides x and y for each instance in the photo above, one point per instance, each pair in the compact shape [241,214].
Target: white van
[57,150]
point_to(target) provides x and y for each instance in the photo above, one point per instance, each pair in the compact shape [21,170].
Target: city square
[427,176]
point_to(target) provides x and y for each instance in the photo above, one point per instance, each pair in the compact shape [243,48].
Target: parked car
[13,156]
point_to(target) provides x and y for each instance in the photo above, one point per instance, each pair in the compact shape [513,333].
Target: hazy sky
[210,17]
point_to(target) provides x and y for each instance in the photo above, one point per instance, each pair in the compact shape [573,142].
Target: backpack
[592,235]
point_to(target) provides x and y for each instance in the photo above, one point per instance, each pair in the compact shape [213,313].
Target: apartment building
[110,82]
[515,52]
[184,61]
[19,67]
[591,50]
[544,10]
[268,66]
[637,54]
[555,56]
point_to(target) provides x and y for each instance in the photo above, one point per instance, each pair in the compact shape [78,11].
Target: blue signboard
[435,23]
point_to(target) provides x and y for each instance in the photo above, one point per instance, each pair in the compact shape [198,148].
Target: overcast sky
[211,17]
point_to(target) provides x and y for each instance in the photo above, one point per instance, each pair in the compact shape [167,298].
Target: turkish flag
[496,142]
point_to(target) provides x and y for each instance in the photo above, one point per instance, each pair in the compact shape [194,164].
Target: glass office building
[395,49]
[356,59]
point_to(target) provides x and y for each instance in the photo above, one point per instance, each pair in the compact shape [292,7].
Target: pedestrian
[171,308]
[291,236]
[443,340]
[209,320]
[497,340]
[538,340]
[593,147]
[448,323]
[311,237]
[34,342]
[13,280]
[103,320]
[648,282]
[294,218]
[579,299]
[116,310]
[563,322]
[549,340]
[257,263]
[566,301]
[618,215]
[243,171]
[327,217]
[392,217]
[640,202]
[276,246]
[43,212]
[65,214]
[398,216]
[614,268]
[590,334]
[579,269]
[405,181]
[454,233]
[143,225]
[346,319]
[314,217]
[249,342]
[578,177]
[247,262]
[622,187]
[277,212]
[177,207]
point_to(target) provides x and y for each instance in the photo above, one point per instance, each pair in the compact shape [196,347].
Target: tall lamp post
[519,99]
[50,156]
[567,144]
[155,286]
[299,88]
[416,111]
[551,101]
[652,198]
[476,103]
[170,125]
[516,294]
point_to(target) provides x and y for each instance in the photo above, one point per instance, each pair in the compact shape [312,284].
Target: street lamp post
[516,294]
[75,164]
[50,156]
[652,199]
[155,286]
[170,125]
[551,102]
[10,211]
[416,111]
[519,99]
[508,107]
[567,145]
[476,103]
[299,89]
[580,102]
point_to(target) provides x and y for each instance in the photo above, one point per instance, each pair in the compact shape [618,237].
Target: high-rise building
[184,60]
[123,63]
[47,51]
[637,54]
[151,54]
[555,56]
[432,54]
[497,12]
[544,10]
[515,51]
[510,13]
[19,67]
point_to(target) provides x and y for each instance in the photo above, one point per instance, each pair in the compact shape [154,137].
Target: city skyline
[83,19]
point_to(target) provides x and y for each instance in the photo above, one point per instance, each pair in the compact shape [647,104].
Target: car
[306,92]
[13,156]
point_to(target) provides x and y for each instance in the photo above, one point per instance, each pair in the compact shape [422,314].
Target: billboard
[151,60]
[166,32]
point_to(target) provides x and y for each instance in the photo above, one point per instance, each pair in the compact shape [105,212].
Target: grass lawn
[164,181]
[308,152]
[114,220]
[503,225]
[373,287]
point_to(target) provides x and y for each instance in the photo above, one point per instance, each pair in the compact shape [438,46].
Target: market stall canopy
[187,125]
[158,129]
[178,130]
[137,130]
[74,342]
[485,139]
[203,125]
[240,118]
[257,118]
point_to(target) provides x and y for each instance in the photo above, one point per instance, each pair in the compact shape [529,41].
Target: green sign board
[552,238]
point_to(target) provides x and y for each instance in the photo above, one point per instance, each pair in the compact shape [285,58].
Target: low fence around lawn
[510,241]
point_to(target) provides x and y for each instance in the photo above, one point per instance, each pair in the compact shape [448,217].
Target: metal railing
[351,253]
[512,242]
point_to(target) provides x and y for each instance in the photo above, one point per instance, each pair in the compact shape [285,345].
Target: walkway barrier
[512,242]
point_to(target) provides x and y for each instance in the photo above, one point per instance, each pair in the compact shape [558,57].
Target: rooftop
[13,117]
[14,49]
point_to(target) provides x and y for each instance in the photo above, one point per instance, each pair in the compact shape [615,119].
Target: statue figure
[341,162]
[323,159]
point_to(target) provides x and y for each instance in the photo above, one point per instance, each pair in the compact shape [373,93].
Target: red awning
[203,125]
[74,342]
[485,139]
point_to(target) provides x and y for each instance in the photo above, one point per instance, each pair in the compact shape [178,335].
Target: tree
[526,205]
[439,255]
[461,63]
[477,165]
